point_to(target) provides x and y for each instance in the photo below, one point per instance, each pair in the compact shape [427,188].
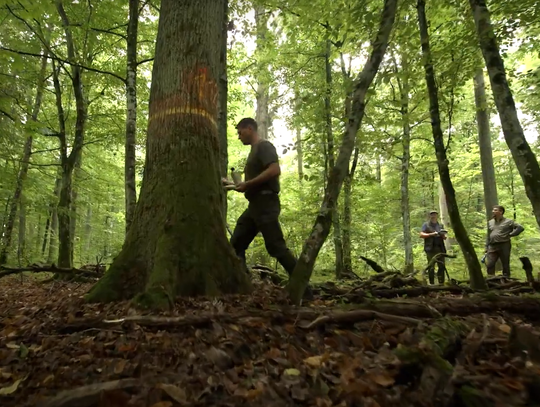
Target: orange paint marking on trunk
[198,96]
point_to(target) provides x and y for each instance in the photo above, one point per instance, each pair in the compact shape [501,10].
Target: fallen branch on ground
[357,316]
[6,271]
[89,395]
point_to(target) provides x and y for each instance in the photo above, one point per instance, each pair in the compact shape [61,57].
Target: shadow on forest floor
[456,350]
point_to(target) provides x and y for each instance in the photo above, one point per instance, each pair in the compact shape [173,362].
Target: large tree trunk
[347,215]
[68,162]
[131,114]
[23,171]
[177,243]
[262,114]
[484,141]
[405,162]
[524,157]
[222,109]
[475,271]
[323,222]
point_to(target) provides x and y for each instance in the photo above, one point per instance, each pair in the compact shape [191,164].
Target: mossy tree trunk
[176,244]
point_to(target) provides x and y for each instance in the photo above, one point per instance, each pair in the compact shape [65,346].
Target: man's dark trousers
[440,262]
[498,251]
[262,215]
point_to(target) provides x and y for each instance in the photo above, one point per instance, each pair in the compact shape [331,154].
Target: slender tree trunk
[524,157]
[68,162]
[299,154]
[378,170]
[475,271]
[484,141]
[131,116]
[74,205]
[23,171]
[21,248]
[53,229]
[262,115]
[336,225]
[167,251]
[347,215]
[444,215]
[323,222]
[405,162]
[37,239]
[88,235]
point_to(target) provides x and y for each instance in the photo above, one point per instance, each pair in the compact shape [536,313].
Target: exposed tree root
[6,271]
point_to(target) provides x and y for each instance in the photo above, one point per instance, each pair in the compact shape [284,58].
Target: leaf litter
[256,350]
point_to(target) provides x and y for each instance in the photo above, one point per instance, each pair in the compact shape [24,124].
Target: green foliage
[291,59]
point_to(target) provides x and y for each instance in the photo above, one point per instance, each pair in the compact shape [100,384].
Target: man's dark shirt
[432,242]
[261,156]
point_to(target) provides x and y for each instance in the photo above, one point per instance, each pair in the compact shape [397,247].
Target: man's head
[433,215]
[498,211]
[247,131]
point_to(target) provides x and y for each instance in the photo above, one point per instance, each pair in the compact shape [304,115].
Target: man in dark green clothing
[434,237]
[261,189]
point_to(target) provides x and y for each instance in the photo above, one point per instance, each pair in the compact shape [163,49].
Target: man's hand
[242,187]
[225,181]
[434,234]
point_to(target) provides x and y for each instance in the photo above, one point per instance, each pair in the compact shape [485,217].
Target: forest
[119,285]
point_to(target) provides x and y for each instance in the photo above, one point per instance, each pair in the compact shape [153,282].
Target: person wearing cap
[434,236]
[498,246]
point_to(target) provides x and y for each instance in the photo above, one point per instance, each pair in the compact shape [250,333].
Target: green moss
[155,300]
[471,397]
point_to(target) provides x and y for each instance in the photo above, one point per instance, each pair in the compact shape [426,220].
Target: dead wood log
[6,271]
[527,266]
[490,303]
[373,265]
[348,317]
[88,396]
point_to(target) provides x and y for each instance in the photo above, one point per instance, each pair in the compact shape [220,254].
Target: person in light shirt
[498,245]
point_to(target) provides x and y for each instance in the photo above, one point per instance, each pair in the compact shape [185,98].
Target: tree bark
[53,229]
[223,85]
[404,89]
[68,162]
[23,171]
[323,222]
[74,205]
[131,113]
[262,115]
[21,246]
[336,226]
[347,215]
[475,271]
[524,157]
[444,215]
[299,154]
[484,141]
[177,243]
[88,235]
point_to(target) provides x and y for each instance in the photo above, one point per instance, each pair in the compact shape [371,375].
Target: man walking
[261,189]
[498,246]
[434,236]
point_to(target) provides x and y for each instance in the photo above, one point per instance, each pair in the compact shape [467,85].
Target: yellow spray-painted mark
[183,110]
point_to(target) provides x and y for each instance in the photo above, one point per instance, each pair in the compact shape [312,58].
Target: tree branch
[144,61]
[74,64]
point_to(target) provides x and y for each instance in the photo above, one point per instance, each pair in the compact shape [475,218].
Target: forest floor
[435,350]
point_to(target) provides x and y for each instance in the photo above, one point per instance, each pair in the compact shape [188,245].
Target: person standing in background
[434,236]
[498,245]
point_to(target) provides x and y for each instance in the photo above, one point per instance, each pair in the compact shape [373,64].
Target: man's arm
[424,234]
[517,229]
[273,170]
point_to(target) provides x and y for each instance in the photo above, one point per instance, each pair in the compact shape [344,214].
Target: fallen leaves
[252,351]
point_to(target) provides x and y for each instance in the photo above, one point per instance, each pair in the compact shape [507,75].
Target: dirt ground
[257,350]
